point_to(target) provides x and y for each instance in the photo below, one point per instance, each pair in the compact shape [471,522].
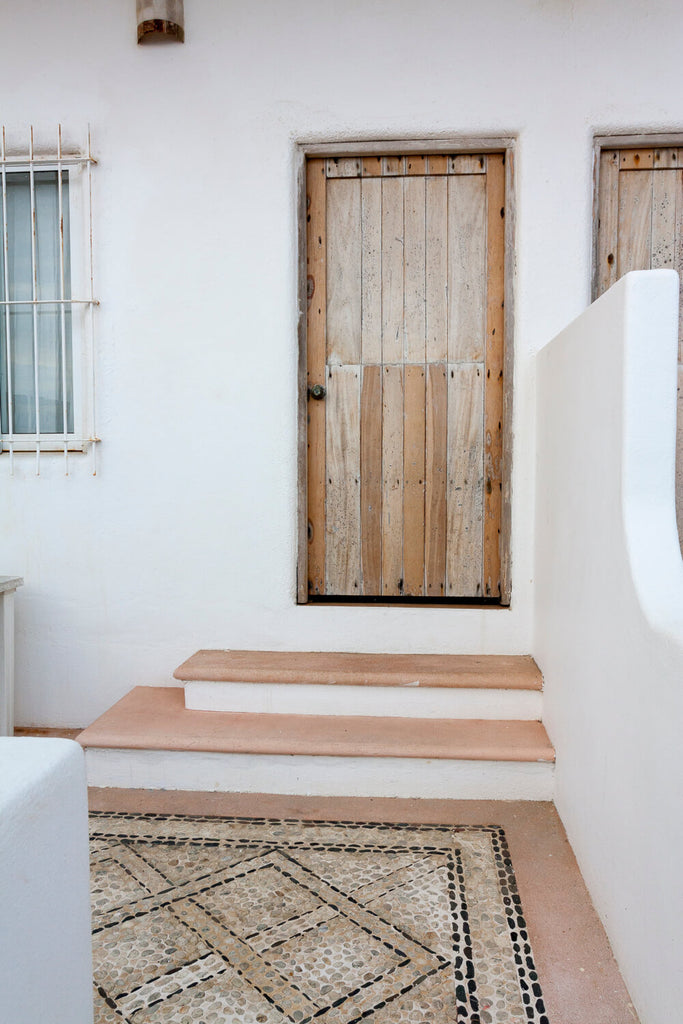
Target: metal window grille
[35,308]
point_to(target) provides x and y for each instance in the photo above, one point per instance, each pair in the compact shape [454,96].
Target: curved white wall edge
[649,447]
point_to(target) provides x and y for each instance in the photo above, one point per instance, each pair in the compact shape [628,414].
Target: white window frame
[78,163]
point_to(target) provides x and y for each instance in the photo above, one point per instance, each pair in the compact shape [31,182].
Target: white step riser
[302,775]
[373,701]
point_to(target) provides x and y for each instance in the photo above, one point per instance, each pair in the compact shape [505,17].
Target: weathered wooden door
[640,227]
[405,349]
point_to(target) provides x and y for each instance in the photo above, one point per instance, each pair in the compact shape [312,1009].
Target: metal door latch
[317,392]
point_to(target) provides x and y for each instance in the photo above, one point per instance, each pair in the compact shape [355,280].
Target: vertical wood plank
[371,270]
[664,188]
[414,269]
[493,372]
[342,518]
[392,270]
[464,494]
[608,221]
[436,257]
[414,482]
[371,480]
[466,267]
[436,474]
[316,247]
[392,481]
[343,270]
[635,221]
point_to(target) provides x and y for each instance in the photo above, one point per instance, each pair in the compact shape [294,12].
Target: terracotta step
[149,740]
[499,671]
[155,718]
[366,685]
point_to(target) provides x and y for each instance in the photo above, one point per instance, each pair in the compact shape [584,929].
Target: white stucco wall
[45,943]
[609,619]
[187,537]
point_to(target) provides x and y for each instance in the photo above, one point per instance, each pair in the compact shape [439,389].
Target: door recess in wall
[405,354]
[638,225]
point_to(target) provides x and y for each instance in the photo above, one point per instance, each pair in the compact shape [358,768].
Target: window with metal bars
[46,299]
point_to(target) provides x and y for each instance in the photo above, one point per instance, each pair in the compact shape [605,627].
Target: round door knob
[317,391]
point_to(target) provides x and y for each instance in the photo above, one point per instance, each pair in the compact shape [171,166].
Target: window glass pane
[51,328]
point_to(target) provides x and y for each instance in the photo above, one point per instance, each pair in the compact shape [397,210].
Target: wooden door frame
[643,140]
[399,147]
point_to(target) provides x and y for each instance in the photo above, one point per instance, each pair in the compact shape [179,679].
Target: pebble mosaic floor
[221,920]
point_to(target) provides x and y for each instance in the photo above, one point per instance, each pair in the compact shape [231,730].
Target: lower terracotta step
[149,740]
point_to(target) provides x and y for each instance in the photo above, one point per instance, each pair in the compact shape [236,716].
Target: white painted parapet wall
[8,585]
[45,945]
[609,620]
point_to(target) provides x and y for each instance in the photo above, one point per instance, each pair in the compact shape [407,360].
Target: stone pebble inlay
[201,919]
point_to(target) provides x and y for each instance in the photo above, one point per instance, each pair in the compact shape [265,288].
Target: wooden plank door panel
[414,424]
[342,516]
[436,272]
[371,270]
[635,221]
[392,270]
[436,479]
[371,480]
[406,331]
[343,271]
[464,489]
[466,267]
[392,480]
[414,251]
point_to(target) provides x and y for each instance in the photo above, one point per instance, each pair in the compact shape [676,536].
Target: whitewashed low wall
[45,950]
[609,619]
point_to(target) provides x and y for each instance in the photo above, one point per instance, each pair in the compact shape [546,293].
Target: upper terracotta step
[155,718]
[497,671]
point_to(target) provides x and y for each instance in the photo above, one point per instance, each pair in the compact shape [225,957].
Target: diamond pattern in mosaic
[419,905]
[354,870]
[433,1000]
[257,901]
[229,920]
[111,885]
[181,863]
[137,950]
[225,999]
[332,959]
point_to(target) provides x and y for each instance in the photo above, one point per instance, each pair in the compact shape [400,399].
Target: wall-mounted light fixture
[161,19]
